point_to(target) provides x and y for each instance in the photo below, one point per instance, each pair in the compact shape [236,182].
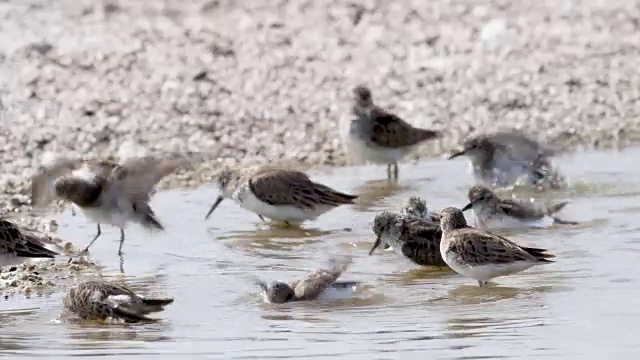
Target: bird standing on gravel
[379,136]
[106,192]
[101,300]
[508,158]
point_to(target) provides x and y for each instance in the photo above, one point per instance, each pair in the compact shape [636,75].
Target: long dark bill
[467,207]
[457,154]
[375,245]
[214,206]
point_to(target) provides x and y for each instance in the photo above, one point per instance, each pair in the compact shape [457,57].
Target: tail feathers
[540,254]
[147,217]
[135,312]
[156,304]
[425,134]
[333,197]
[344,284]
[564,222]
[150,221]
[557,207]
[128,316]
[33,249]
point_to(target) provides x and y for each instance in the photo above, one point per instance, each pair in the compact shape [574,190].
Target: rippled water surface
[583,306]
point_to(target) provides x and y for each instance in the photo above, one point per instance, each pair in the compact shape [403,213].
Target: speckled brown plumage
[311,285]
[21,243]
[289,187]
[416,239]
[101,300]
[280,194]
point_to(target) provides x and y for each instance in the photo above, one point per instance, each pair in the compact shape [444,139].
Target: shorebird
[482,255]
[310,287]
[509,158]
[491,212]
[18,245]
[101,300]
[416,239]
[282,195]
[106,192]
[379,136]
[417,207]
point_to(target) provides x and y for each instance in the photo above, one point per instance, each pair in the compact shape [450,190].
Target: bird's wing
[137,177]
[314,283]
[294,188]
[42,191]
[22,244]
[481,248]
[521,144]
[391,131]
[520,210]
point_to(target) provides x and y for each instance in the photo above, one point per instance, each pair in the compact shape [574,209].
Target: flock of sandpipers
[119,193]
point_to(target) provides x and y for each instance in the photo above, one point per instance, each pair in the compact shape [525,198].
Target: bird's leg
[482,283]
[121,264]
[86,250]
[121,241]
[395,171]
[389,171]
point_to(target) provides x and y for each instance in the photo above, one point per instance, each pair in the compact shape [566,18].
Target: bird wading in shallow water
[311,286]
[492,213]
[412,237]
[379,136]
[508,158]
[101,300]
[482,255]
[282,195]
[105,191]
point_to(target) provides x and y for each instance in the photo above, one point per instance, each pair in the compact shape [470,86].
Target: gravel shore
[252,81]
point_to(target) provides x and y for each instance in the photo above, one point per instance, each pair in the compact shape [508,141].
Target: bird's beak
[375,245]
[214,206]
[467,207]
[455,155]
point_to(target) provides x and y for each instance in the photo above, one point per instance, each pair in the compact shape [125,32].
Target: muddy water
[583,306]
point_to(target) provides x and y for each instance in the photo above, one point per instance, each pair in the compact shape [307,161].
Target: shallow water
[582,306]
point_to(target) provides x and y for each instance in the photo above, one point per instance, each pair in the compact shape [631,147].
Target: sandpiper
[482,255]
[106,192]
[492,213]
[379,136]
[416,206]
[508,158]
[416,239]
[310,287]
[282,195]
[18,245]
[101,300]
